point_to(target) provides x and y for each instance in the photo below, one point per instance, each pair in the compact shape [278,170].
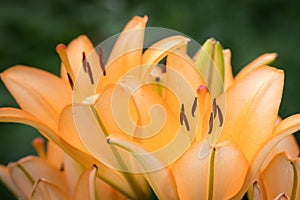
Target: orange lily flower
[127,115]
[249,134]
[53,175]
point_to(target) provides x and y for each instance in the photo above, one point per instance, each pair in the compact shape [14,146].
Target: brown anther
[89,71]
[62,167]
[101,61]
[157,79]
[84,62]
[70,81]
[182,114]
[186,122]
[194,107]
[220,115]
[215,107]
[94,165]
[164,66]
[211,123]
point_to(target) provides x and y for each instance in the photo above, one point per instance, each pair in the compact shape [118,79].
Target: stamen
[89,70]
[84,62]
[183,118]
[215,107]
[101,60]
[256,191]
[62,167]
[87,67]
[164,66]
[220,115]
[61,49]
[282,196]
[94,165]
[186,122]
[70,81]
[38,145]
[182,114]
[211,123]
[194,107]
[202,89]
[157,79]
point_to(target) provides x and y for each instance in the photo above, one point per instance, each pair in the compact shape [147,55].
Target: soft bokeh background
[30,30]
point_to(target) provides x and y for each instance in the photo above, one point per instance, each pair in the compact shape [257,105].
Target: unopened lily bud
[210,62]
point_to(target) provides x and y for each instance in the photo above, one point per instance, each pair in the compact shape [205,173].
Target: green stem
[127,176]
[295,182]
[211,174]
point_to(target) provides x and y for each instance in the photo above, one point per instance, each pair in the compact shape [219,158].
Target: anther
[186,122]
[182,114]
[157,79]
[164,66]
[183,118]
[87,67]
[62,167]
[194,107]
[211,123]
[101,61]
[70,81]
[89,70]
[84,62]
[215,107]
[94,165]
[220,115]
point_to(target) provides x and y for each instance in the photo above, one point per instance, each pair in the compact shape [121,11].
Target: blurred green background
[30,30]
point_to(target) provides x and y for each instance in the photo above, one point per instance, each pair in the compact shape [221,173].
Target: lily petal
[191,172]
[264,59]
[67,129]
[55,155]
[230,170]
[36,91]
[107,174]
[181,69]
[45,190]
[193,176]
[74,51]
[157,51]
[158,131]
[127,50]
[160,180]
[288,145]
[285,128]
[29,169]
[228,75]
[278,176]
[126,53]
[85,188]
[6,179]
[259,91]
